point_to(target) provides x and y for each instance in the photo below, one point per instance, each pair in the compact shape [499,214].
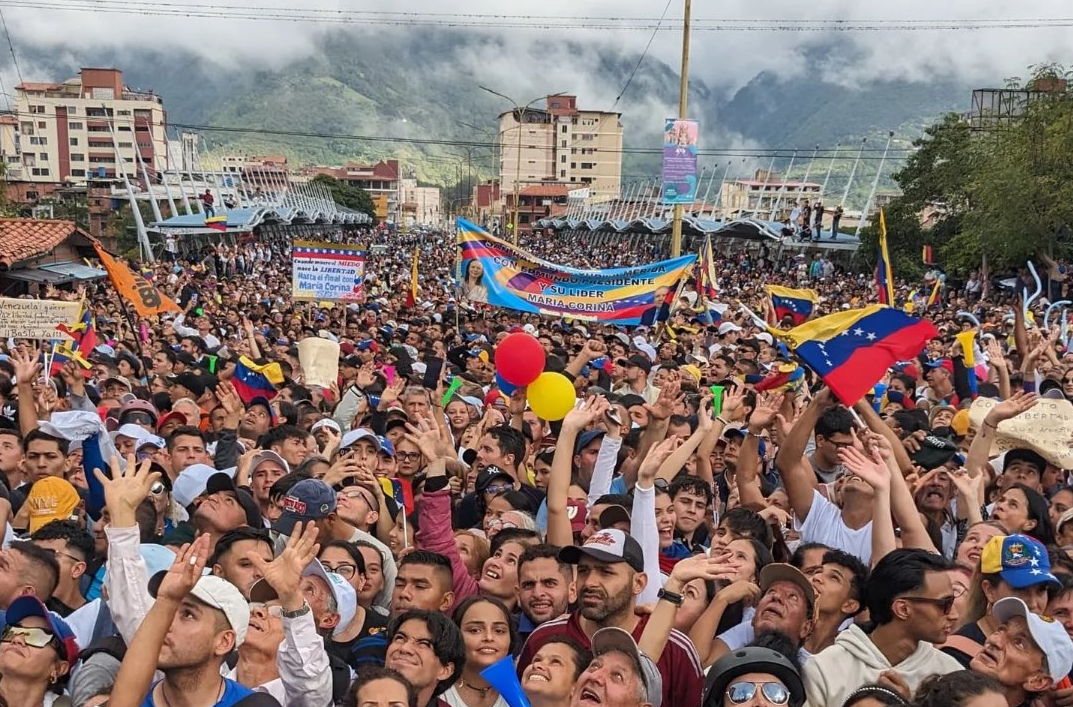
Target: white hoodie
[854,660]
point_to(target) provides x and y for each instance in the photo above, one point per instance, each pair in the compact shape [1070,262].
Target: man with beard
[610,575]
[545,588]
[1027,654]
[911,602]
[787,605]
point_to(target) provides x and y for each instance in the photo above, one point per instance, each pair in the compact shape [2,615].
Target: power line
[640,59]
[537,22]
[11,46]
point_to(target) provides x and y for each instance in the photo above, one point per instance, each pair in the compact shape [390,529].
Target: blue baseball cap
[309,499]
[27,606]
[386,447]
[586,438]
[1019,560]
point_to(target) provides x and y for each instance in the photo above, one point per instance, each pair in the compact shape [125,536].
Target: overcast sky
[722,58]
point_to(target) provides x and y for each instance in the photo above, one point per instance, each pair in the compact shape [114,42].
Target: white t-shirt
[824,525]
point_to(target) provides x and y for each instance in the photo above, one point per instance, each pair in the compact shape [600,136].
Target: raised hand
[656,456]
[126,490]
[584,415]
[741,590]
[229,399]
[26,365]
[284,573]
[366,375]
[1011,407]
[185,572]
[970,488]
[669,396]
[765,412]
[870,469]
[425,433]
[696,567]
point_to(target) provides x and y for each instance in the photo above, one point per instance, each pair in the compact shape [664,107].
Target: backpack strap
[963,644]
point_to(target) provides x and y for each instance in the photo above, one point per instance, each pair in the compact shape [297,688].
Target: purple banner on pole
[680,161]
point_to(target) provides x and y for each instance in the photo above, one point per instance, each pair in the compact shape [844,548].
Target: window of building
[123,112]
[562,143]
[43,156]
[12,159]
[32,195]
[562,159]
[587,165]
[37,109]
[78,172]
[564,130]
[72,110]
[78,157]
[75,126]
[40,171]
[524,218]
[42,124]
[123,128]
[74,142]
[562,174]
[125,144]
[573,165]
[28,128]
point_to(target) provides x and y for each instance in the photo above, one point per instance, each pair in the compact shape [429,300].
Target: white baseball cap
[726,327]
[353,436]
[220,594]
[1049,635]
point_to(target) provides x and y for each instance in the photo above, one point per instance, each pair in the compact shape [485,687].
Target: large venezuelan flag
[852,350]
[253,380]
[795,304]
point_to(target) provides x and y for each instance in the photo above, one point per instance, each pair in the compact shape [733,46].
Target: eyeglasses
[138,418]
[353,494]
[157,488]
[408,456]
[498,488]
[68,555]
[774,692]
[33,637]
[945,604]
[274,610]
[345,570]
[501,524]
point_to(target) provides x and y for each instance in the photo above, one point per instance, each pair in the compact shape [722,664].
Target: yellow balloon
[551,396]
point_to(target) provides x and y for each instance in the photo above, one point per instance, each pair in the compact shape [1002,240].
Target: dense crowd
[396,539]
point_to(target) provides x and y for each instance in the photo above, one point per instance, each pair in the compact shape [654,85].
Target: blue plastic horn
[502,676]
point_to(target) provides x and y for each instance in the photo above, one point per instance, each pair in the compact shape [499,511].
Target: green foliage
[1004,191]
[346,195]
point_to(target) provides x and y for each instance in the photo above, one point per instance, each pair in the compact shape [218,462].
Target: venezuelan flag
[402,491]
[216,223]
[852,350]
[253,380]
[934,298]
[795,304]
[884,275]
[411,295]
[786,377]
[706,272]
[84,340]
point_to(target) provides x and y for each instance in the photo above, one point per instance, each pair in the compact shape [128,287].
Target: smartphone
[389,374]
[433,369]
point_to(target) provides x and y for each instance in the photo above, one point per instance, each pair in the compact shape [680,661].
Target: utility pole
[683,104]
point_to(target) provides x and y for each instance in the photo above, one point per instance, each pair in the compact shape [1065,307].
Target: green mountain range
[416,87]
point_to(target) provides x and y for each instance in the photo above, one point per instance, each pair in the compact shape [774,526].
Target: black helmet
[752,659]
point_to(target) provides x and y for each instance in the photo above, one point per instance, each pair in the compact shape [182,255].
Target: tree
[344,194]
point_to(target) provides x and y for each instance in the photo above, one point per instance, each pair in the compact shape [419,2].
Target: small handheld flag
[216,223]
[795,304]
[884,276]
[253,380]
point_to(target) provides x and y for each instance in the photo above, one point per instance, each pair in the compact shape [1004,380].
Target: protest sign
[327,271]
[497,273]
[36,318]
[319,359]
[1046,428]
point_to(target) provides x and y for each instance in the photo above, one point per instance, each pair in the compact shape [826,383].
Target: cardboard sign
[319,359]
[36,318]
[1046,428]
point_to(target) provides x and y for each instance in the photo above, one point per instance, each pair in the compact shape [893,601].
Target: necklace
[482,691]
[167,702]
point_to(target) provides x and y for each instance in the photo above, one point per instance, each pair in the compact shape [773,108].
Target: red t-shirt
[679,666]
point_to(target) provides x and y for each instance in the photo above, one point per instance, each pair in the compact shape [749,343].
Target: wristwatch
[297,612]
[671,597]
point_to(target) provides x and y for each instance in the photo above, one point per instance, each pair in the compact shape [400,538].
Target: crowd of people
[395,539]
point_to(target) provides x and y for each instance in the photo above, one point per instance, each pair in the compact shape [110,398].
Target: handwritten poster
[327,271]
[36,318]
[1046,428]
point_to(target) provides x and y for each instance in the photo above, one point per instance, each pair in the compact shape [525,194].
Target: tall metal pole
[823,189]
[704,201]
[852,173]
[719,193]
[875,185]
[782,187]
[763,188]
[683,104]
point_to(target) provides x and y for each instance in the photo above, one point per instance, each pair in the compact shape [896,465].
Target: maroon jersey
[679,666]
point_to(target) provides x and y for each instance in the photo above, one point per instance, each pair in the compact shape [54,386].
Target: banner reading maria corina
[497,273]
[327,271]
[680,161]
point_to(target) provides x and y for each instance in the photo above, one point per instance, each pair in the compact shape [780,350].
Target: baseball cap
[51,498]
[727,327]
[217,593]
[27,606]
[190,381]
[613,639]
[119,379]
[1021,454]
[354,436]
[781,572]
[222,481]
[1019,560]
[608,545]
[267,455]
[352,361]
[264,402]
[190,483]
[934,452]
[386,447]
[943,363]
[614,514]
[174,415]
[1065,518]
[327,422]
[138,405]
[489,474]
[1049,635]
[309,499]
[578,514]
[642,362]
[346,599]
[586,438]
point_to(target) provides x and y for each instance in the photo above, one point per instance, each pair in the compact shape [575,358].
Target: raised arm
[980,449]
[874,471]
[27,369]
[996,359]
[796,472]
[748,467]
[559,531]
[659,414]
[643,516]
[661,622]
[678,458]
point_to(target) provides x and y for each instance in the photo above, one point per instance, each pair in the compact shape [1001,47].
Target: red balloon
[519,359]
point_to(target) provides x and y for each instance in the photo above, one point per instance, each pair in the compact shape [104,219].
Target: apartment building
[380,180]
[63,132]
[561,143]
[764,193]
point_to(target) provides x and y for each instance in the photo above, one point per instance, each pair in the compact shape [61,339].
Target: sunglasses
[774,692]
[157,488]
[139,418]
[33,637]
[498,488]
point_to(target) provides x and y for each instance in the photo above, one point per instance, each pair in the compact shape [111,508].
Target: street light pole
[683,104]
[518,166]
